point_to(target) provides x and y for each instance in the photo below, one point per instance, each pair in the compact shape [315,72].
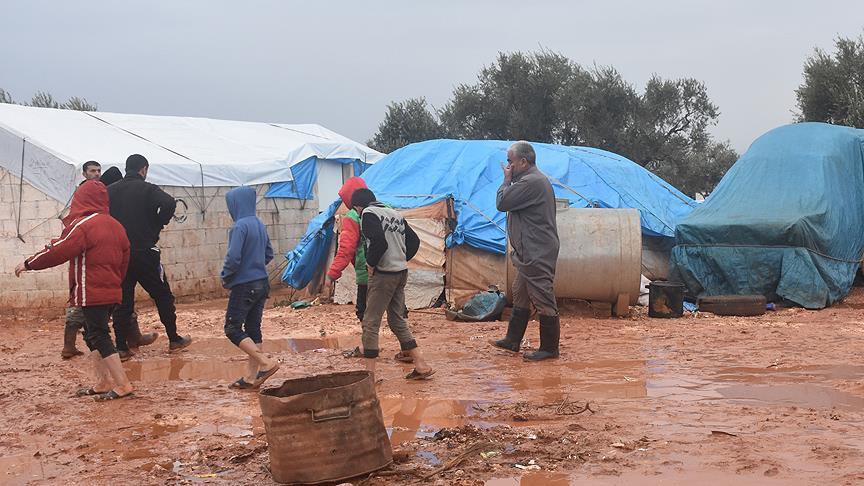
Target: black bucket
[665,299]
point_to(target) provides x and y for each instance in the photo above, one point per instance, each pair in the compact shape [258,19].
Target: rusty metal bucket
[325,428]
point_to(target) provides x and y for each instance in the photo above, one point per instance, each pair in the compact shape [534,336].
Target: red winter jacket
[349,235]
[94,244]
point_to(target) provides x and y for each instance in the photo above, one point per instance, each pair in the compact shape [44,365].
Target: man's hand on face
[508,172]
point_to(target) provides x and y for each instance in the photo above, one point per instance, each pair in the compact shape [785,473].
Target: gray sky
[339,63]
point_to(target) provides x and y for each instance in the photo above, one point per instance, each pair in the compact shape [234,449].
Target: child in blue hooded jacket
[245,274]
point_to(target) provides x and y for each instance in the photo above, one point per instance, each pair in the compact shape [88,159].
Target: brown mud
[773,399]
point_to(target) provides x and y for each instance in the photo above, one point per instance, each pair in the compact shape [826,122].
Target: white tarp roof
[183,151]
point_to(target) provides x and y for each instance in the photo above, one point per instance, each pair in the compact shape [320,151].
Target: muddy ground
[775,399]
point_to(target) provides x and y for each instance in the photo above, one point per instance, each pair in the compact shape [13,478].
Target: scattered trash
[206,476]
[627,378]
[479,446]
[302,304]
[487,455]
[527,466]
[442,434]
[720,432]
[733,305]
[531,436]
[619,445]
[483,307]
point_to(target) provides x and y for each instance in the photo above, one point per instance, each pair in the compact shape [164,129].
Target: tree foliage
[546,97]
[405,123]
[43,99]
[833,87]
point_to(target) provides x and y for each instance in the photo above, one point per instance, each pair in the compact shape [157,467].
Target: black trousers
[145,268]
[96,333]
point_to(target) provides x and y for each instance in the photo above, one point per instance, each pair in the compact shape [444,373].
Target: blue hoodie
[249,249]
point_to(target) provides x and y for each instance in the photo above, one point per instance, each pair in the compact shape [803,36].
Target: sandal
[111,395]
[262,376]
[403,357]
[241,384]
[87,392]
[354,353]
[416,375]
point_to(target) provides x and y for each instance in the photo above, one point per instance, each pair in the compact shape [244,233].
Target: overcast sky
[339,63]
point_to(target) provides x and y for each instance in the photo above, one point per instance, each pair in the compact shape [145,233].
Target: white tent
[47,147]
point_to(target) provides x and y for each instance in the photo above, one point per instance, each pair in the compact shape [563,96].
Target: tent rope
[200,165]
[21,191]
[811,250]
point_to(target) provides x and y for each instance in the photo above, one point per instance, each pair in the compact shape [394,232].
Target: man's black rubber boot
[515,330]
[550,334]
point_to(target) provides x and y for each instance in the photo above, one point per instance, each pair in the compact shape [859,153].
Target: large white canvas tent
[47,148]
[196,160]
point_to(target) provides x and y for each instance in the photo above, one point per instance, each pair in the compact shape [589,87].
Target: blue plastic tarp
[308,256]
[469,172]
[785,222]
[305,175]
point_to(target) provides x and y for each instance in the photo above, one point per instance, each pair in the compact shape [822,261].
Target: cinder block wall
[192,250]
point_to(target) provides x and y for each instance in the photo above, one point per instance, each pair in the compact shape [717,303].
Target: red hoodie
[349,235]
[94,244]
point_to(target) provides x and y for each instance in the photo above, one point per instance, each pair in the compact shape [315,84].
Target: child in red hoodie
[96,246]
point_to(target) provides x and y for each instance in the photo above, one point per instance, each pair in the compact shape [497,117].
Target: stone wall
[192,250]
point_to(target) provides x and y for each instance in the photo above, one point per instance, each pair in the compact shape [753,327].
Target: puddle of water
[794,394]
[161,369]
[410,418]
[532,479]
[222,363]
[792,373]
[223,347]
[21,469]
[591,380]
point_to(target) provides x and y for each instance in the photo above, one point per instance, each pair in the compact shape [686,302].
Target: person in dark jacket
[97,250]
[390,244]
[527,197]
[245,274]
[134,338]
[111,176]
[143,209]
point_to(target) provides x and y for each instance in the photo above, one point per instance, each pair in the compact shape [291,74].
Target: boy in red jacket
[351,249]
[96,247]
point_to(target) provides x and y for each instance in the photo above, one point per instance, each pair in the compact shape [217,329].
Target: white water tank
[600,257]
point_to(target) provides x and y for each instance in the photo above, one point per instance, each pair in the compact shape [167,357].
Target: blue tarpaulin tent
[469,172]
[785,222]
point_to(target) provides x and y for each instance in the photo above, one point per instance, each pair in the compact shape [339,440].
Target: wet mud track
[775,399]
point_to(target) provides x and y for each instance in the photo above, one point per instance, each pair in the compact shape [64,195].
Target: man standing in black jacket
[143,209]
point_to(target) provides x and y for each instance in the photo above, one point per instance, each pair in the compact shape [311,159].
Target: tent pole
[21,191]
[203,194]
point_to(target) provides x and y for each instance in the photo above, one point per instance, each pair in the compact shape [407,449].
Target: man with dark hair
[527,197]
[91,170]
[143,209]
[390,244]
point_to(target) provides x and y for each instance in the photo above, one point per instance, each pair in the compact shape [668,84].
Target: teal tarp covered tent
[786,222]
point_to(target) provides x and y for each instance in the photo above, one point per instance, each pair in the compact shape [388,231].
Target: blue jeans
[245,308]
